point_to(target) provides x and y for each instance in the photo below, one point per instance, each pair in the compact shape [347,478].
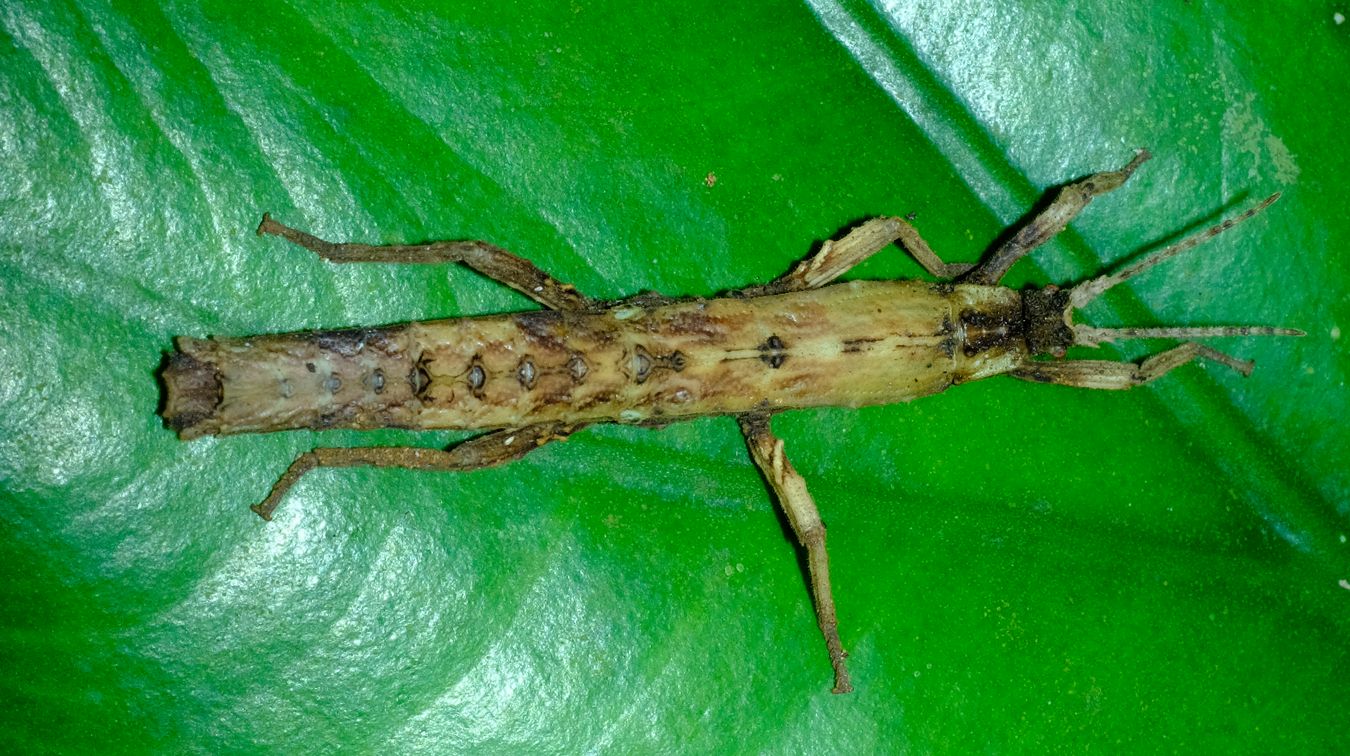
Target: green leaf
[1017,567]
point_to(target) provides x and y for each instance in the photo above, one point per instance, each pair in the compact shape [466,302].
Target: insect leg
[487,450]
[488,259]
[1106,374]
[1068,203]
[790,487]
[836,257]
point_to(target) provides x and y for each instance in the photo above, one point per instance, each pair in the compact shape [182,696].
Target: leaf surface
[1017,567]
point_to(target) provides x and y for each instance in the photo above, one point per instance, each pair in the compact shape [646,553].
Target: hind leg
[488,450]
[488,259]
[767,451]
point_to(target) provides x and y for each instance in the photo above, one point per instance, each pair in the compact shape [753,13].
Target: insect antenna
[1085,292]
[1092,288]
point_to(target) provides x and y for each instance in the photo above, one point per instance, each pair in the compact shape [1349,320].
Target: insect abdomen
[327,379]
[849,345]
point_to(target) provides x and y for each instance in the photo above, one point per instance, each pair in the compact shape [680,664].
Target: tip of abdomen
[192,389]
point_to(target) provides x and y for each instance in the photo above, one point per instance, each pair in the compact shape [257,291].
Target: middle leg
[836,258]
[788,484]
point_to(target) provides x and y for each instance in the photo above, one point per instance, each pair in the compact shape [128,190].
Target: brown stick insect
[798,341]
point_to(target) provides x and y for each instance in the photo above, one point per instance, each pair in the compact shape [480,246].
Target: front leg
[790,487]
[1069,201]
[1117,376]
[488,259]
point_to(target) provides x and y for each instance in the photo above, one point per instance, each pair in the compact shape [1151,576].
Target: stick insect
[531,378]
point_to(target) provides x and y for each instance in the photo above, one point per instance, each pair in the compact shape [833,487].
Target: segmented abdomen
[846,345]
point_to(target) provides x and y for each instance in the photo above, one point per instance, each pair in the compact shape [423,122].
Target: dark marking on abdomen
[349,343]
[526,373]
[476,377]
[578,368]
[853,346]
[419,378]
[949,331]
[644,363]
[695,322]
[772,352]
[375,381]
